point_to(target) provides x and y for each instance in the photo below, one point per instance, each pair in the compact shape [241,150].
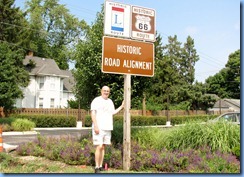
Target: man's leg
[102,156]
[99,155]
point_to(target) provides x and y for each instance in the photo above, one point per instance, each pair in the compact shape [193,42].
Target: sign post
[126,56]
[127,127]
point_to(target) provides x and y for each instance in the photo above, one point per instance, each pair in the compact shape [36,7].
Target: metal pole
[127,127]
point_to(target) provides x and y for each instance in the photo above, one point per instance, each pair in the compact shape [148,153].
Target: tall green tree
[194,97]
[167,75]
[233,67]
[216,84]
[13,25]
[13,40]
[174,76]
[142,85]
[13,76]
[226,83]
[54,31]
[188,61]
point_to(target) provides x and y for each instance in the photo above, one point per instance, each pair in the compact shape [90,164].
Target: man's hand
[96,129]
[123,104]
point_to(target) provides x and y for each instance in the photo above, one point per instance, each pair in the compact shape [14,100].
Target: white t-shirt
[104,112]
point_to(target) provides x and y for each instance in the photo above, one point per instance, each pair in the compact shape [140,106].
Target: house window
[52,103]
[52,83]
[61,84]
[40,102]
[41,83]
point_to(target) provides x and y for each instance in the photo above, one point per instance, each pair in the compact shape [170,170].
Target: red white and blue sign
[117,21]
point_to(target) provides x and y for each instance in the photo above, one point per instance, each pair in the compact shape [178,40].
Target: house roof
[43,66]
[228,103]
[69,82]
[48,67]
[233,102]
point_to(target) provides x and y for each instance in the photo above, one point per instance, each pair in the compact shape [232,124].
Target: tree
[226,83]
[13,40]
[189,59]
[174,76]
[13,25]
[216,84]
[194,97]
[54,31]
[13,76]
[233,75]
[167,75]
[142,86]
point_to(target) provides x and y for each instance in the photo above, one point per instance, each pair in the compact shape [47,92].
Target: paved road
[16,138]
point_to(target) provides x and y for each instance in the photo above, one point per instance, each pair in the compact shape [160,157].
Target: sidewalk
[9,147]
[34,132]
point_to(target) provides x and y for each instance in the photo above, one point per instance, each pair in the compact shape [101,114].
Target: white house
[49,87]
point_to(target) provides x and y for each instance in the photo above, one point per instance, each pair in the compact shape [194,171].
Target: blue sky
[213,24]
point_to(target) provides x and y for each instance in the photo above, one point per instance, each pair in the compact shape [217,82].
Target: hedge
[156,120]
[45,120]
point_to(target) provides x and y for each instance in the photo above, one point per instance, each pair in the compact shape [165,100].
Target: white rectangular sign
[117,20]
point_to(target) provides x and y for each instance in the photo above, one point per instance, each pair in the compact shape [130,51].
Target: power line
[214,63]
[41,31]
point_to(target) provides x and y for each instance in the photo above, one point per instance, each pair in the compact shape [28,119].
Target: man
[102,111]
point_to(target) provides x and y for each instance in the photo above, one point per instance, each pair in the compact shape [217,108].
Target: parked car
[233,117]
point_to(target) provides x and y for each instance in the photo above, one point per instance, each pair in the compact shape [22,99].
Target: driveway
[16,138]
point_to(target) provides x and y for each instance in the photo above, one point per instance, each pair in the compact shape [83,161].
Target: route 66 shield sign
[143,23]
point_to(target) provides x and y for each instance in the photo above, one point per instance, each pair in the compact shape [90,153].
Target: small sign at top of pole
[117,19]
[122,20]
[143,24]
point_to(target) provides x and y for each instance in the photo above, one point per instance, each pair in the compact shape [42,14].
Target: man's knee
[100,147]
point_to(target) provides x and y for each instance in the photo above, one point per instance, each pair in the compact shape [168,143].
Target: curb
[36,129]
[63,128]
[20,133]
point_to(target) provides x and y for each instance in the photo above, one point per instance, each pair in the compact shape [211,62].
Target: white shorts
[104,137]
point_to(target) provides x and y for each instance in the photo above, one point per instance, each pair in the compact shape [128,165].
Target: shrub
[7,161]
[7,120]
[22,125]
[236,151]
[50,120]
[202,160]
[6,127]
[117,133]
[220,135]
[149,137]
[189,160]
[156,120]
